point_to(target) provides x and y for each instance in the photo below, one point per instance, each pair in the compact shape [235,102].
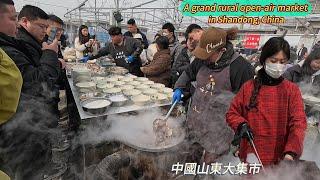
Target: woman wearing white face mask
[271,109]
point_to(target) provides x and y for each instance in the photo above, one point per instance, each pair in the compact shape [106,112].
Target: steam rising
[133,129]
[308,89]
[28,138]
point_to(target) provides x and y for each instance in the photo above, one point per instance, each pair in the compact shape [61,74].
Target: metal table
[112,110]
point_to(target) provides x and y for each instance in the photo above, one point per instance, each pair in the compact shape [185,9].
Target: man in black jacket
[133,29]
[193,34]
[41,69]
[24,142]
[124,50]
[56,23]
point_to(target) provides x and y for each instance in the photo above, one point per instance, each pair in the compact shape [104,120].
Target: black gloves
[243,131]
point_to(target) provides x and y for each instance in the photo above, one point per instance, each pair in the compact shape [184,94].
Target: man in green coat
[10,87]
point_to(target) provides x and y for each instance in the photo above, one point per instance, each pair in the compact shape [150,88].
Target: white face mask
[275,70]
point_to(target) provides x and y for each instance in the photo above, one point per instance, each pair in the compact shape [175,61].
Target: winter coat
[10,87]
[27,134]
[130,47]
[159,69]
[293,57]
[81,47]
[295,74]
[39,68]
[144,37]
[278,123]
[240,70]
[175,49]
[61,83]
[180,64]
[3,176]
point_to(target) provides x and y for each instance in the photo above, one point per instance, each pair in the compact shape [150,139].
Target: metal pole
[80,20]
[117,9]
[71,32]
[112,19]
[75,9]
[145,18]
[95,14]
[154,14]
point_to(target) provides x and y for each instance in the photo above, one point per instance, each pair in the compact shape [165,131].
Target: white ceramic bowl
[166,90]
[112,91]
[86,85]
[97,79]
[118,83]
[99,103]
[159,98]
[134,83]
[150,92]
[141,100]
[118,70]
[126,87]
[118,77]
[118,100]
[111,79]
[132,76]
[102,81]
[142,79]
[131,92]
[127,79]
[148,82]
[157,86]
[104,86]
[142,87]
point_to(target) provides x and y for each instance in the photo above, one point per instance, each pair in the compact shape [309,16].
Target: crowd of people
[29,102]
[220,88]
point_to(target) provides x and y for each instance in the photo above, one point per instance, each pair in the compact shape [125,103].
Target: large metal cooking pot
[155,148]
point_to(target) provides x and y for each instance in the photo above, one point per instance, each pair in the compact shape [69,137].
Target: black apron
[206,117]
[120,53]
[119,56]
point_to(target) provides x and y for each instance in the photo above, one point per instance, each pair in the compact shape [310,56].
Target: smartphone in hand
[52,35]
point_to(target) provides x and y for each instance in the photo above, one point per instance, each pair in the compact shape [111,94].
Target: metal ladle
[170,110]
[162,123]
